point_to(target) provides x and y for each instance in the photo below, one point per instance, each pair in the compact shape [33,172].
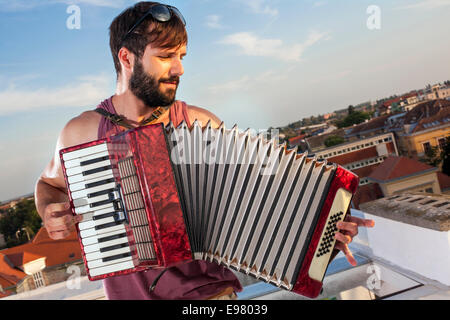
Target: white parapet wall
[422,250]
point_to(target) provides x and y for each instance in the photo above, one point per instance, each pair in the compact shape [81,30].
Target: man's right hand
[59,220]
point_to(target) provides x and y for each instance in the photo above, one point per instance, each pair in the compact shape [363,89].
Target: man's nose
[177,67]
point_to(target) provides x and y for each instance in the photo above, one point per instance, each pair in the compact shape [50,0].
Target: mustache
[171,79]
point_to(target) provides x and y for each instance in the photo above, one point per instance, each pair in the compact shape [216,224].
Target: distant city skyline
[253,63]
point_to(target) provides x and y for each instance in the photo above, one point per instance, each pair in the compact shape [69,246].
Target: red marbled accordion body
[150,154]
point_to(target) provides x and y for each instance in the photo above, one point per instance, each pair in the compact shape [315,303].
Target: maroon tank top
[189,281]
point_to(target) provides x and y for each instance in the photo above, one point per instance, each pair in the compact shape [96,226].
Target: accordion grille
[135,208]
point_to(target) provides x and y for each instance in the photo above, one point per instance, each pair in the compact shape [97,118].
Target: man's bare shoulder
[203,115]
[81,129]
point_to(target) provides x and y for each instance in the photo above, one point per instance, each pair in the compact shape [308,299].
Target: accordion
[157,196]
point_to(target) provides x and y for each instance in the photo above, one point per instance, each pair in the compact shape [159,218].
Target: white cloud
[213,22]
[260,7]
[256,82]
[252,45]
[426,4]
[19,5]
[85,91]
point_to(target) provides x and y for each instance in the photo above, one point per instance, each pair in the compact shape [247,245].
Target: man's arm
[52,202]
[203,115]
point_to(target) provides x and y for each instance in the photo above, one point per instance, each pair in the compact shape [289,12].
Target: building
[425,126]
[39,263]
[398,175]
[361,156]
[296,141]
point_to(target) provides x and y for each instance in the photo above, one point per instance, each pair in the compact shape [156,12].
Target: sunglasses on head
[159,12]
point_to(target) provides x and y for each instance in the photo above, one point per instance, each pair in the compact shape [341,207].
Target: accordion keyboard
[97,197]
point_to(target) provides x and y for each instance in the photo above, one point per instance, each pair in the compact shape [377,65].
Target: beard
[146,88]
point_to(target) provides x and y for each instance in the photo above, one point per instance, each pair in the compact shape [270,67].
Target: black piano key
[96,170]
[114,237]
[92,161]
[117,256]
[99,183]
[99,193]
[109,225]
[105,215]
[114,247]
[111,199]
[100,203]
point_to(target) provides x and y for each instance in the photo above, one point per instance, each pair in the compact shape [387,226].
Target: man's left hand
[347,230]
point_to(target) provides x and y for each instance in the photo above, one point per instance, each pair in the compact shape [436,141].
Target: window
[38,279]
[426,147]
[429,190]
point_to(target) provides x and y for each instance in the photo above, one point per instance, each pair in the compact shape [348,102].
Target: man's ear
[126,59]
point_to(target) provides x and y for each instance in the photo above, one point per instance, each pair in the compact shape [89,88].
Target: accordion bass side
[155,196]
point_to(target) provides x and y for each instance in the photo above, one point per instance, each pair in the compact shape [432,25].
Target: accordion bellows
[156,196]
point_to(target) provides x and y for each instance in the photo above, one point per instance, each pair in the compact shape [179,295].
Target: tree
[351,109]
[445,156]
[333,141]
[356,117]
[433,157]
[23,216]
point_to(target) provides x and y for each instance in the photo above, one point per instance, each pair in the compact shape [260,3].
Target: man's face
[156,75]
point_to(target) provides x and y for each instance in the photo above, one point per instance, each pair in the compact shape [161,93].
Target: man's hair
[170,34]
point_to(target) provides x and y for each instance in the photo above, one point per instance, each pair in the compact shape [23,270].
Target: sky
[254,63]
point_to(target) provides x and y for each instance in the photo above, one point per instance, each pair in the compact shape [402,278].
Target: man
[148,42]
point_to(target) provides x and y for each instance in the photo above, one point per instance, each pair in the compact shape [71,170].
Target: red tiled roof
[365,171]
[366,193]
[387,103]
[396,167]
[20,258]
[373,124]
[444,181]
[433,121]
[296,139]
[5,294]
[354,156]
[425,110]
[9,276]
[56,252]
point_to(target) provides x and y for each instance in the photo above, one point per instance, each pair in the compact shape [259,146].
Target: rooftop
[431,211]
[394,167]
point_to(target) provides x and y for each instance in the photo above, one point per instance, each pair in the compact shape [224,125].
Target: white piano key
[86,201]
[84,152]
[99,263]
[87,208]
[102,255]
[92,232]
[100,245]
[95,239]
[94,223]
[111,268]
[80,177]
[76,162]
[85,192]
[81,169]
[89,215]
[82,185]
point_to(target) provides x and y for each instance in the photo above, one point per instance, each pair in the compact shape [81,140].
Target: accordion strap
[120,121]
